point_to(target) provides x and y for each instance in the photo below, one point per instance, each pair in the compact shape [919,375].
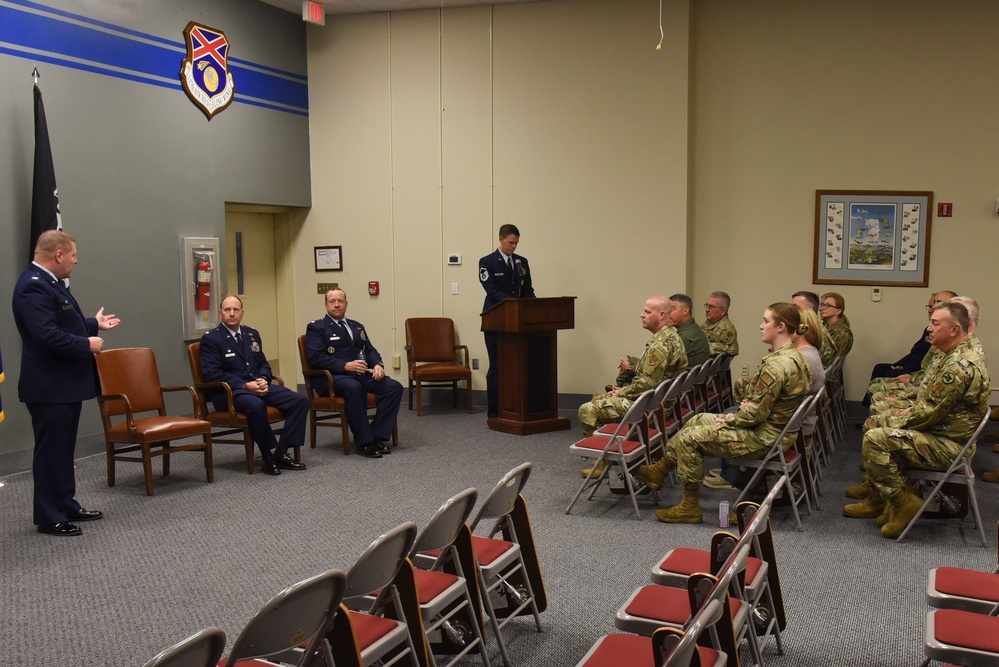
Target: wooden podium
[527,354]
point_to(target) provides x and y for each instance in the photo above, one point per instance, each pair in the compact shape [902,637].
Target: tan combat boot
[869,508]
[598,469]
[860,491]
[992,476]
[904,506]
[885,516]
[688,511]
[654,475]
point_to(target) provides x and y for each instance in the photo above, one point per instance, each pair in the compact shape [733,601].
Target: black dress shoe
[382,447]
[269,467]
[61,529]
[370,451]
[86,515]
[287,463]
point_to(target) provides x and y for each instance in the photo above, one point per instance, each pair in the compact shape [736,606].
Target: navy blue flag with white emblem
[44,193]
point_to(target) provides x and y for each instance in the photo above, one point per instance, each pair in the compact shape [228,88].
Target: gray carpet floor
[160,568]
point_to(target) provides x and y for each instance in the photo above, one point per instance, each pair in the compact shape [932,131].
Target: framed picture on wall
[872,237]
[329,258]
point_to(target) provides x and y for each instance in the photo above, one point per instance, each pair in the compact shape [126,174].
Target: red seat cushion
[430,583]
[622,649]
[368,629]
[661,603]
[966,629]
[636,651]
[687,561]
[968,583]
[597,443]
[488,549]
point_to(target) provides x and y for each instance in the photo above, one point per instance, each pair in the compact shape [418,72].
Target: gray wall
[138,167]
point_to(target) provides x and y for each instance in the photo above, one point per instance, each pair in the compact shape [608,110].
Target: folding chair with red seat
[297,617]
[958,472]
[652,607]
[624,451]
[444,589]
[668,647]
[200,650]
[787,464]
[762,580]
[959,588]
[504,572]
[365,634]
[961,637]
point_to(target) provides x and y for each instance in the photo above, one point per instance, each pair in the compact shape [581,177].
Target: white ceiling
[364,6]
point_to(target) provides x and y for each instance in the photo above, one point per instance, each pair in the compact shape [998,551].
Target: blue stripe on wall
[121,54]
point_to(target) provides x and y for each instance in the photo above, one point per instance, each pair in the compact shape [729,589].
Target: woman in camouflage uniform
[836,326]
[770,399]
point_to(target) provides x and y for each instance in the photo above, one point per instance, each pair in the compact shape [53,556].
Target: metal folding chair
[959,471]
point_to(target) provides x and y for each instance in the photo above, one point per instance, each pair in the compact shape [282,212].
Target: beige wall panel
[790,97]
[590,146]
[416,288]
[466,146]
[574,119]
[350,117]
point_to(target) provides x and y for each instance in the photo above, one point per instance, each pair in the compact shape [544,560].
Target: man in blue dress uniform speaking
[504,275]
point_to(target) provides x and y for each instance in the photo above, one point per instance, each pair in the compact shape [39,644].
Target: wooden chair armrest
[277,379]
[228,391]
[106,398]
[410,362]
[194,395]
[319,373]
[464,353]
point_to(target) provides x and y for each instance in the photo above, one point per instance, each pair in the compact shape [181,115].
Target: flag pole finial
[35,75]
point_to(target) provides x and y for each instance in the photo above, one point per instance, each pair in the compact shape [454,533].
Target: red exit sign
[313,12]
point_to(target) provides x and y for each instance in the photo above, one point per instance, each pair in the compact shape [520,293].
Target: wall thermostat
[454,260]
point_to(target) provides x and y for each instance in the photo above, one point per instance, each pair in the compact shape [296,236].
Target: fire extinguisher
[203,280]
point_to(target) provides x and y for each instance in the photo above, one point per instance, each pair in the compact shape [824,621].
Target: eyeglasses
[827,305]
[708,306]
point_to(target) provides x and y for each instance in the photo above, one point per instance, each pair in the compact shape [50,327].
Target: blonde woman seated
[770,399]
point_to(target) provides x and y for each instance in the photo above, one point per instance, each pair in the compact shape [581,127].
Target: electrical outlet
[396,361]
[745,370]
[454,288]
[475,364]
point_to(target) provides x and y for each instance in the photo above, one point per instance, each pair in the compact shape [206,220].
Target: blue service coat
[496,279]
[57,365]
[328,349]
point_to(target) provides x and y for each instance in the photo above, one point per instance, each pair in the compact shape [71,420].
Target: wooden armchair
[430,357]
[130,385]
[230,421]
[329,410]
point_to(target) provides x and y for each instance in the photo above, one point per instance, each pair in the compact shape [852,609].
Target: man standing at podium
[504,275]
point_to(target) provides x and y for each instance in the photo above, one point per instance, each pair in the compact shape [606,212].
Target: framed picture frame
[872,237]
[329,258]
[199,281]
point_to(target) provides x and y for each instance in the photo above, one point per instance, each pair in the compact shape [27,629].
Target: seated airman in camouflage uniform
[721,333]
[839,337]
[664,358]
[952,400]
[770,399]
[897,397]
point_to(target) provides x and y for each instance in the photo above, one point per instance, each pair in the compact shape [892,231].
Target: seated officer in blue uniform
[234,354]
[503,275]
[343,348]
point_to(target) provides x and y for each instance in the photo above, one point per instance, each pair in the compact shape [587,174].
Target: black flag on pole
[44,194]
